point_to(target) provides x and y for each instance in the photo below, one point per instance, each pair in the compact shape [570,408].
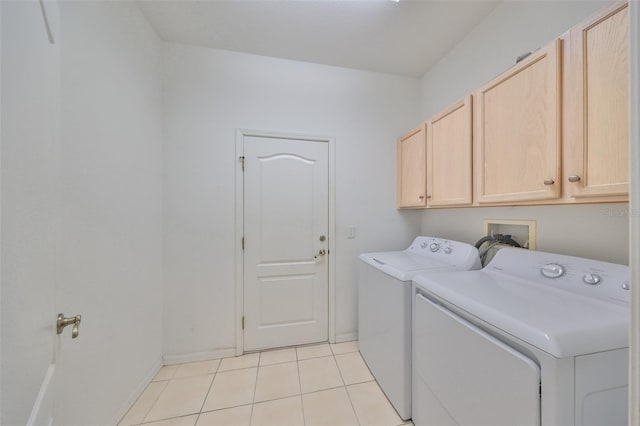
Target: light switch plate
[351,231]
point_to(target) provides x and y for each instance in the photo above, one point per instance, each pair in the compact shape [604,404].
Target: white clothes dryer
[384,308]
[532,339]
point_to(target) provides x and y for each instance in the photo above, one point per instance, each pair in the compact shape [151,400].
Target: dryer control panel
[592,278]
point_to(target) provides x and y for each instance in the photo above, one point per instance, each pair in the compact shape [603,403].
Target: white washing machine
[532,339]
[384,308]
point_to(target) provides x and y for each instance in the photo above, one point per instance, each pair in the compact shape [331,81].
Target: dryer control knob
[448,250]
[424,245]
[590,278]
[552,270]
[434,247]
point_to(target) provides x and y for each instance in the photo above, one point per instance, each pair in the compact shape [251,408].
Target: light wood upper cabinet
[518,131]
[597,121]
[449,156]
[553,129]
[412,168]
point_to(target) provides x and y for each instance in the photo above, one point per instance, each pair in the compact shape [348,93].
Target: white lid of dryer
[564,305]
[425,254]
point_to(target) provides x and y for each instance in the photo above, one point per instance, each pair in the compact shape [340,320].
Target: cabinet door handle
[428,197]
[549,182]
[421,197]
[574,178]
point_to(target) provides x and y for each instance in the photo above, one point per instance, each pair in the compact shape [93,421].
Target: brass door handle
[322,252]
[62,322]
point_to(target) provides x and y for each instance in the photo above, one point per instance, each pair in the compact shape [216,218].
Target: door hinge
[242,162]
[242,243]
[243,322]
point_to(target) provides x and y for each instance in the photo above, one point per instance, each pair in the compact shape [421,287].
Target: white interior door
[285,242]
[29,197]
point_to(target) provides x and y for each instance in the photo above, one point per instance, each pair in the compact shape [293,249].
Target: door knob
[322,252]
[62,322]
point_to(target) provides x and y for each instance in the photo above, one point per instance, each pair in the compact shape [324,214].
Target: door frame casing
[634,208]
[241,134]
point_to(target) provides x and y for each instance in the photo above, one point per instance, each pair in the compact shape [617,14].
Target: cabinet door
[598,136]
[449,152]
[411,168]
[518,131]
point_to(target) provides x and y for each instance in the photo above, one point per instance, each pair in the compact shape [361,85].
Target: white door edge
[241,134]
[634,207]
[43,406]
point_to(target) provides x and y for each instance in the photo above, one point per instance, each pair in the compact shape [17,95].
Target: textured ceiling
[406,37]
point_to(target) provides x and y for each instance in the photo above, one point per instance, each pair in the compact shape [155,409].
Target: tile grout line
[290,396]
[155,401]
[280,362]
[134,404]
[215,374]
[271,399]
[347,391]
[311,345]
[352,406]
[156,398]
[255,386]
[168,418]
[217,370]
[304,419]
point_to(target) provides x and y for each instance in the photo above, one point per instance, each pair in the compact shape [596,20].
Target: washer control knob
[552,270]
[590,278]
[424,245]
[434,247]
[626,286]
[448,250]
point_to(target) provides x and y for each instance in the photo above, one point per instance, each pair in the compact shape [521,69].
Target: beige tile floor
[321,384]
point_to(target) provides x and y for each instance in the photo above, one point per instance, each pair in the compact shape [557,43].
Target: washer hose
[499,238]
[493,241]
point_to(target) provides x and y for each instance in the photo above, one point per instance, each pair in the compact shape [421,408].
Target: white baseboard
[346,337]
[42,411]
[199,356]
[135,394]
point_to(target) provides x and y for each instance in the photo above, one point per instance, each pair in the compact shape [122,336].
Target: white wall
[110,267]
[595,231]
[598,231]
[210,93]
[30,89]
